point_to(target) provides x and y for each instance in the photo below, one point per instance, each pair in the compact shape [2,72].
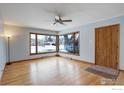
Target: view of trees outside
[77,43]
[70,44]
[62,43]
[66,43]
[45,43]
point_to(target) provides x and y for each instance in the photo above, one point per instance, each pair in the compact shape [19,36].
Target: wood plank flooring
[54,71]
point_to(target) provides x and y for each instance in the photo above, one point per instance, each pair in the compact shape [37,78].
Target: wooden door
[107,46]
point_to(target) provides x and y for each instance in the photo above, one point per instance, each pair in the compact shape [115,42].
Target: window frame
[37,43]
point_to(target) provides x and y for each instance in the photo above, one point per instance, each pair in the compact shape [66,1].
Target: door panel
[106,46]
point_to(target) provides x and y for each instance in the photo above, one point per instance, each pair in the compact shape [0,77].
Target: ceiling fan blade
[54,23]
[66,20]
[62,23]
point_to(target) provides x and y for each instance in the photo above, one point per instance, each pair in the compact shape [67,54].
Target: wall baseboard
[86,62]
[31,59]
[121,70]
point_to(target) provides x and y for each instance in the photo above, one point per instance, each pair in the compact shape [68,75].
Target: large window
[42,43]
[69,43]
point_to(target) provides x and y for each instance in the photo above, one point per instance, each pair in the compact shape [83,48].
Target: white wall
[87,39]
[2,49]
[19,42]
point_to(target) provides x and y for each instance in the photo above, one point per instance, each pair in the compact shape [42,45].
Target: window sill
[69,53]
[42,53]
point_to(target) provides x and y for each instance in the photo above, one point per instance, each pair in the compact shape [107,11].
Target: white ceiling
[42,15]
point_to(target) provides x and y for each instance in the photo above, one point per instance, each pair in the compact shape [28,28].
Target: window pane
[77,43]
[69,46]
[33,43]
[46,43]
[66,43]
[62,45]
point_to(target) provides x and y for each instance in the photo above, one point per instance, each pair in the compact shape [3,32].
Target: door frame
[118,49]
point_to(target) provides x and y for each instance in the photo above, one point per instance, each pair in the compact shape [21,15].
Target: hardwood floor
[54,71]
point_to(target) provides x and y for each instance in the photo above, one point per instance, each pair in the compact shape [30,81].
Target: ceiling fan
[58,19]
